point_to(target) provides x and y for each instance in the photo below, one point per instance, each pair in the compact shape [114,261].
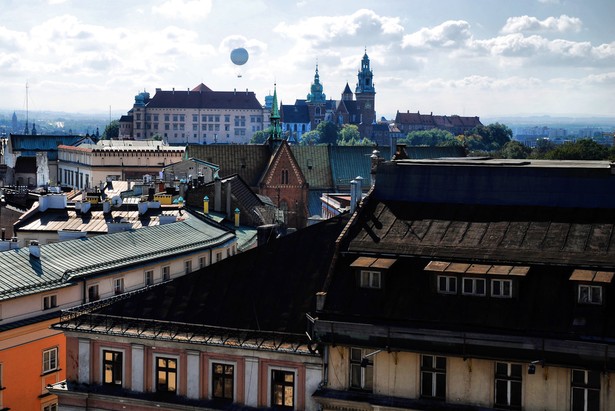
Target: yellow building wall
[21,358]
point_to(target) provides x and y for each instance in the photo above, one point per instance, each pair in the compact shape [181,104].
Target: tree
[584,149]
[310,138]
[514,149]
[433,137]
[112,130]
[492,137]
[543,146]
[260,136]
[328,132]
[349,136]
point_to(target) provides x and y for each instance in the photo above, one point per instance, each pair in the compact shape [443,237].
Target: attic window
[370,270]
[590,287]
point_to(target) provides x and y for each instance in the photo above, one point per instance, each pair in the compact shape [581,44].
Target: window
[51,407]
[370,279]
[118,285]
[202,262]
[501,288]
[218,256]
[361,370]
[590,294]
[447,284]
[50,359]
[284,177]
[112,367]
[282,389]
[166,273]
[222,381]
[585,390]
[188,266]
[433,377]
[508,385]
[149,277]
[166,375]
[50,301]
[93,293]
[473,286]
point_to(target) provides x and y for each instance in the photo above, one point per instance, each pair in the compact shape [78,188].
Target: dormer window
[498,281]
[590,284]
[370,271]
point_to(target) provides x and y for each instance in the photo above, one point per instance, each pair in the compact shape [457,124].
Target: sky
[481,58]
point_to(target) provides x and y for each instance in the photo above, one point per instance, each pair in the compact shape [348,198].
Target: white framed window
[473,286]
[93,294]
[149,277]
[590,294]
[361,370]
[50,359]
[585,390]
[166,273]
[50,301]
[187,266]
[501,288]
[433,377]
[447,284]
[202,262]
[370,279]
[118,285]
[508,379]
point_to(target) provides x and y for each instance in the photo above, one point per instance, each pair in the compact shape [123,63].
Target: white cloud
[448,34]
[190,10]
[559,24]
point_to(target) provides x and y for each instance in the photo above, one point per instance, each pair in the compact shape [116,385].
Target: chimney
[237,217]
[35,249]
[142,206]
[217,194]
[228,198]
[320,300]
[205,205]
[85,207]
[353,196]
[375,159]
[106,207]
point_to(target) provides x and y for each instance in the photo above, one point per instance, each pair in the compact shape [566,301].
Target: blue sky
[468,57]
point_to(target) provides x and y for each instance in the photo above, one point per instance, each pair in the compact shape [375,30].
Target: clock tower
[365,94]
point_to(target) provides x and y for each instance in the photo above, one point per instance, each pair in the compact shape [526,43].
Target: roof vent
[35,249]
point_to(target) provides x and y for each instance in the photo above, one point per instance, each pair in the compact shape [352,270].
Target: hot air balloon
[239,56]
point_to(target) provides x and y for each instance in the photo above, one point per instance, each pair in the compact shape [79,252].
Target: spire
[276,129]
[365,77]
[316,95]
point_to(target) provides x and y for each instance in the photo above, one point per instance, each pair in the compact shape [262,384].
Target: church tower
[365,94]
[316,101]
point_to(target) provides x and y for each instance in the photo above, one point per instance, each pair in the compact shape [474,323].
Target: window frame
[148,281]
[51,363]
[433,371]
[474,281]
[273,384]
[370,279]
[156,368]
[113,363]
[51,406]
[365,374]
[512,377]
[590,295]
[118,290]
[187,266]
[95,297]
[585,388]
[214,377]
[502,287]
[448,280]
[50,301]
[165,272]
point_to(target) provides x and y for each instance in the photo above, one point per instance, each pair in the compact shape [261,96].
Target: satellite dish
[116,201]
[239,56]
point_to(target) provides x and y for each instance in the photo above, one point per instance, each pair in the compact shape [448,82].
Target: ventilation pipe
[35,249]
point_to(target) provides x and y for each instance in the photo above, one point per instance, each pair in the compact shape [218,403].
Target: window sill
[51,371]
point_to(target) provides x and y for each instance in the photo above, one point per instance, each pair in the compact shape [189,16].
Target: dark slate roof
[269,288]
[205,99]
[314,162]
[41,142]
[348,162]
[247,160]
[21,274]
[294,114]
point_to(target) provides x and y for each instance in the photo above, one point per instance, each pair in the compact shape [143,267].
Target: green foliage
[514,149]
[310,138]
[349,136]
[543,146]
[260,136]
[584,149]
[112,130]
[328,132]
[433,137]
[490,138]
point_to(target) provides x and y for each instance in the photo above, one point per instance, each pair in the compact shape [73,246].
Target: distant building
[408,122]
[197,116]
